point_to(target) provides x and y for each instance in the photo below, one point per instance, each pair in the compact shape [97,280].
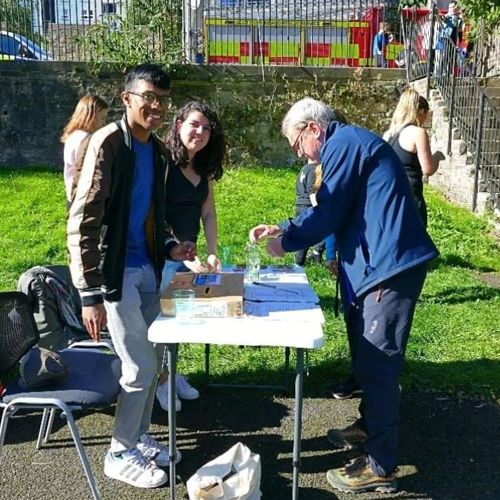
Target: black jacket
[98,216]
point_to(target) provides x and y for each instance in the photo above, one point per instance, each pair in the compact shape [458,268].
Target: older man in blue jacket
[365,200]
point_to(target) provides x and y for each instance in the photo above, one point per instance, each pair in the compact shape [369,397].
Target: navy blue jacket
[366,201]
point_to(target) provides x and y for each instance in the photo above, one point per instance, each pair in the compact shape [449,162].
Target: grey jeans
[128,323]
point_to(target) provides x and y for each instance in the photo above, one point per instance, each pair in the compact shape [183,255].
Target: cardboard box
[216,295]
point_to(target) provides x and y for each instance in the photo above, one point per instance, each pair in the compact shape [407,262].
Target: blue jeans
[128,323]
[378,326]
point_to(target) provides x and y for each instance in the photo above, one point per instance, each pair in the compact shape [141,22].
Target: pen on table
[267,285]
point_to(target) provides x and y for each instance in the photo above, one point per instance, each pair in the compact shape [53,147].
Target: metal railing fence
[300,33]
[261,32]
[470,110]
[85,30]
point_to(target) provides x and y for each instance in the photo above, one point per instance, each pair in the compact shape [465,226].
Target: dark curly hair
[207,162]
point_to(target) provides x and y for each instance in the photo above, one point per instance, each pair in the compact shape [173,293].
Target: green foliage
[476,11]
[146,31]
[455,341]
[17,17]
[413,3]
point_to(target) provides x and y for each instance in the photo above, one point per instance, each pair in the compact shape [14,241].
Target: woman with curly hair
[197,146]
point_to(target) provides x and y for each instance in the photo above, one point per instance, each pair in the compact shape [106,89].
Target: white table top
[237,331]
[248,330]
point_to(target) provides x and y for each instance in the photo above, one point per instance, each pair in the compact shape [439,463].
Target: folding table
[249,331]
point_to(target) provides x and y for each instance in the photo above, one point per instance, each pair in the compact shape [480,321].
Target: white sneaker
[155,452]
[132,468]
[162,397]
[184,389]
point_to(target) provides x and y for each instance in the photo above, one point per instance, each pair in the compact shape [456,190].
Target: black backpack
[55,332]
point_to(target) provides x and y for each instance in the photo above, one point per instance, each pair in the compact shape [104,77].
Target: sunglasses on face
[151,98]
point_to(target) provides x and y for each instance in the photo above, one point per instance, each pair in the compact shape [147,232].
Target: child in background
[90,115]
[306,189]
[380,42]
[330,245]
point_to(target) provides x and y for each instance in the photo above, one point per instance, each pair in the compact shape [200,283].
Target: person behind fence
[197,145]
[450,28]
[365,200]
[117,248]
[380,43]
[453,23]
[90,115]
[411,143]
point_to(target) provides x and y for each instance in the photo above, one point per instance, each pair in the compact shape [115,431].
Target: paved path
[450,448]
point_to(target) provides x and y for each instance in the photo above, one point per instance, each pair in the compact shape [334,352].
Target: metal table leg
[171,348]
[287,371]
[207,364]
[297,433]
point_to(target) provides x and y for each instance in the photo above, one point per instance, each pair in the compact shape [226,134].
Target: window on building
[109,8]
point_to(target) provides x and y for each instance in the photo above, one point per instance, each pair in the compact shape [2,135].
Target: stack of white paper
[284,311]
[278,291]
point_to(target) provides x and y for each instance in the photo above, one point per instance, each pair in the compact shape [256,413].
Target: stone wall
[37,99]
[488,55]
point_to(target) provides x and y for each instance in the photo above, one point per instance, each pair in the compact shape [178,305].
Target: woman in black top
[411,143]
[197,146]
[196,143]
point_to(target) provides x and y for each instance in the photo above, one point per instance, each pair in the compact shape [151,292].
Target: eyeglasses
[297,143]
[151,98]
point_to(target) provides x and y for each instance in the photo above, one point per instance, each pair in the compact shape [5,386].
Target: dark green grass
[455,341]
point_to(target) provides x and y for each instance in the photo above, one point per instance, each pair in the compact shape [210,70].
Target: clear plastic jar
[253,262]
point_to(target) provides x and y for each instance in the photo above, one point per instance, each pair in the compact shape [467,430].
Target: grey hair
[305,111]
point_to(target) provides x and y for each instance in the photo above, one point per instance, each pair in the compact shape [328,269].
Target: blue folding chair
[93,380]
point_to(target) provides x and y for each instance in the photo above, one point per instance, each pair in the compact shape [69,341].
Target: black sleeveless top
[411,163]
[183,202]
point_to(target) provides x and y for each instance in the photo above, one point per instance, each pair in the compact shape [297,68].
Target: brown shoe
[357,477]
[352,437]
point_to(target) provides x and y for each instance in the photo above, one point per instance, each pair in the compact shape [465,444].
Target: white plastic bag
[234,475]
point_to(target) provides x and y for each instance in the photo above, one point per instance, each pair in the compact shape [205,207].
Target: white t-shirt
[70,149]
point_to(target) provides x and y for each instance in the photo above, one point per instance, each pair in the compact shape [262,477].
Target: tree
[485,12]
[413,3]
[16,17]
[147,31]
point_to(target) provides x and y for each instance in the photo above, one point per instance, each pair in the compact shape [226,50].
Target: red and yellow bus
[295,42]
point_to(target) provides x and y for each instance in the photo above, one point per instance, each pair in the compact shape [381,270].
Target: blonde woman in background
[90,115]
[411,143]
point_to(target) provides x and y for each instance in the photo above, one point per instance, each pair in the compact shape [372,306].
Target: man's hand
[332,266]
[274,248]
[185,250]
[195,266]
[262,232]
[213,263]
[94,320]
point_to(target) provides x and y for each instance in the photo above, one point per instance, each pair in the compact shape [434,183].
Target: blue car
[18,47]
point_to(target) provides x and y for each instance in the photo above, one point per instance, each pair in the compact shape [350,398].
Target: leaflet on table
[284,311]
[207,280]
[280,292]
[277,277]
